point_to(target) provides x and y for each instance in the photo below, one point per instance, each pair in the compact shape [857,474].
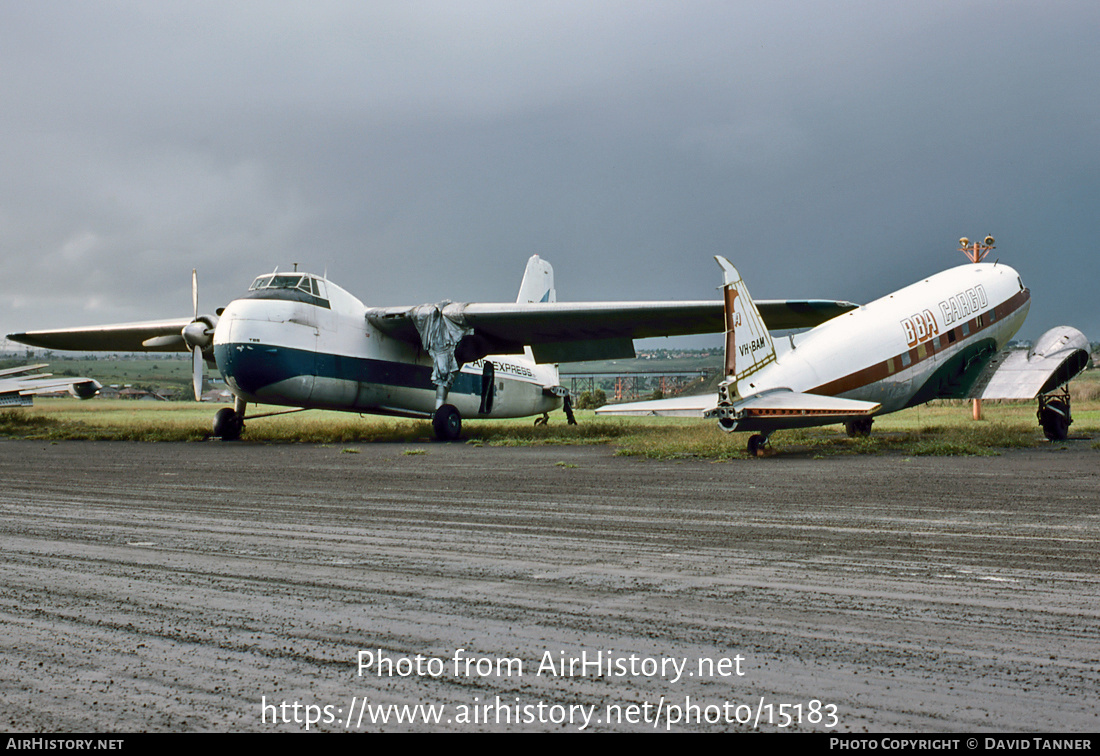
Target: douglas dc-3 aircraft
[18,389]
[938,338]
[299,340]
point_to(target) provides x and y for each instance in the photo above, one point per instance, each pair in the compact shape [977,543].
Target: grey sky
[420,151]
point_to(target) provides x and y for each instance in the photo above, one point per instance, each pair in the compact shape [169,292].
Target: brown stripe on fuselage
[924,351]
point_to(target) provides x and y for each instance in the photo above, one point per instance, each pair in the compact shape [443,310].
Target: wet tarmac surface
[237,587]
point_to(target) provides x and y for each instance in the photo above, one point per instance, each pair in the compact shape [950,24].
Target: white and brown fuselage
[929,340]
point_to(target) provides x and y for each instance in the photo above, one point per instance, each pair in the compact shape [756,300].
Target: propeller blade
[195,291]
[196,378]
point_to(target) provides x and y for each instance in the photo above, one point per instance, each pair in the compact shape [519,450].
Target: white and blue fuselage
[299,340]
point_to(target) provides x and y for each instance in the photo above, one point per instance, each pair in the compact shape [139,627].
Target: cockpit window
[269,286]
[296,281]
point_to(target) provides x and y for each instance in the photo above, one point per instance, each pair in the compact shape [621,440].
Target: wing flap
[584,350]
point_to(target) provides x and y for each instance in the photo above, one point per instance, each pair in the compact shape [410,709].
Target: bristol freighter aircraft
[298,340]
[939,338]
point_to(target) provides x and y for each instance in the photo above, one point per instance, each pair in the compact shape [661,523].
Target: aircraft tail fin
[749,346]
[538,282]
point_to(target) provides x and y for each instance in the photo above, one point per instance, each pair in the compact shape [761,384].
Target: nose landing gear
[229,423]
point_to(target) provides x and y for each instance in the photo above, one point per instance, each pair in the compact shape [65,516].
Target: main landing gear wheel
[859,427]
[757,442]
[1055,419]
[447,423]
[228,424]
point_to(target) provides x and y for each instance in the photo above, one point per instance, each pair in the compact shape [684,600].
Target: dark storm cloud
[421,151]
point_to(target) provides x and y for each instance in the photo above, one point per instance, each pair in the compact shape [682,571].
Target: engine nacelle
[200,332]
[1062,350]
[85,389]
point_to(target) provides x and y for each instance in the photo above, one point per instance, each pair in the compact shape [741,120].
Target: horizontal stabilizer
[678,406]
[771,410]
[782,408]
[1058,356]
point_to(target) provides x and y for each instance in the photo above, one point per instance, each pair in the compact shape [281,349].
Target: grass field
[938,428]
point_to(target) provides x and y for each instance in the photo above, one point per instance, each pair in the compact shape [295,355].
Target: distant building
[139,394]
[218,395]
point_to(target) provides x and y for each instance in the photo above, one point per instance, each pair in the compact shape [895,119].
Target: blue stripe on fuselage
[252,367]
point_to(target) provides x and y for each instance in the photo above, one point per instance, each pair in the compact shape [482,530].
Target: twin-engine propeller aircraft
[17,389]
[936,339]
[299,340]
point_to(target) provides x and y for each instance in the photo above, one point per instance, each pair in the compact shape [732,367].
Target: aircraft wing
[17,389]
[766,411]
[556,332]
[576,331]
[20,370]
[1057,357]
[148,336]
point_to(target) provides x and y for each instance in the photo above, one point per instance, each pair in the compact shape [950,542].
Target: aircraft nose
[254,362]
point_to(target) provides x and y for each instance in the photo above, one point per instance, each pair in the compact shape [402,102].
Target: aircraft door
[488,388]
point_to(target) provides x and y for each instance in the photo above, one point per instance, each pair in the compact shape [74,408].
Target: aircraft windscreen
[304,288]
[300,282]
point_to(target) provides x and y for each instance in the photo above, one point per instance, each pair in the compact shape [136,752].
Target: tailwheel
[447,423]
[543,420]
[757,442]
[1054,416]
[859,427]
[228,424]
